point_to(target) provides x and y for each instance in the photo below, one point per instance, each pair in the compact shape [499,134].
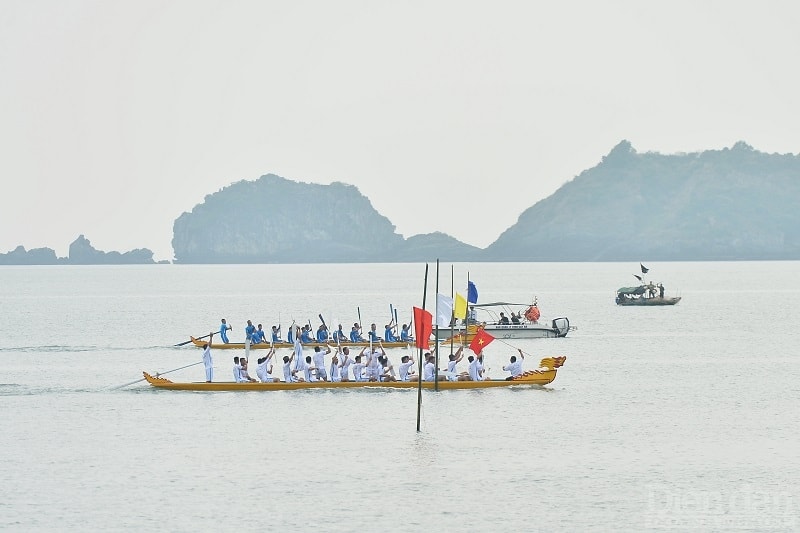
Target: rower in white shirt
[288,373]
[264,368]
[455,358]
[319,362]
[244,374]
[345,361]
[406,369]
[429,368]
[515,366]
[237,370]
[358,369]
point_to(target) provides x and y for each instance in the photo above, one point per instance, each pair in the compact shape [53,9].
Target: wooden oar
[190,340]
[157,374]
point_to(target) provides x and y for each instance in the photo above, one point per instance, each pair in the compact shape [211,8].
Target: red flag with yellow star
[480,341]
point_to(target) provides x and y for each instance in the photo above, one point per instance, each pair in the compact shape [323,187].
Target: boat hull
[647,302]
[534,378]
[528,330]
[266,346]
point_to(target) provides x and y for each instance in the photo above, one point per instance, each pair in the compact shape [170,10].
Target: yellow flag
[460,310]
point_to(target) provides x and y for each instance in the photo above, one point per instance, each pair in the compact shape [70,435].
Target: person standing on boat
[373,365]
[319,362]
[223,331]
[343,354]
[661,290]
[473,315]
[515,366]
[207,361]
[299,362]
[237,370]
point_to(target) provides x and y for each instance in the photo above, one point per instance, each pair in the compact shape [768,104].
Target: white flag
[444,310]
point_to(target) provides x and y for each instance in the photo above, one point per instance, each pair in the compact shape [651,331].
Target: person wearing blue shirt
[248,332]
[290,336]
[305,336]
[276,337]
[339,335]
[405,336]
[258,335]
[373,334]
[355,333]
[322,333]
[223,331]
[388,334]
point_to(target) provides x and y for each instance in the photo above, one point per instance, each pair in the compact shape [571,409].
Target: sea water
[670,418]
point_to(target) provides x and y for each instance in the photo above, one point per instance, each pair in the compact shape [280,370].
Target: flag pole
[419,343]
[436,335]
[452,322]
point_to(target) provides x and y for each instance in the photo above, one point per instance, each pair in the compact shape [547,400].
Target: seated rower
[305,335]
[406,369]
[388,333]
[387,370]
[355,333]
[515,366]
[259,335]
[373,334]
[405,335]
[264,368]
[343,355]
[358,369]
[245,376]
[339,335]
[276,334]
[454,359]
[237,370]
[289,375]
[322,333]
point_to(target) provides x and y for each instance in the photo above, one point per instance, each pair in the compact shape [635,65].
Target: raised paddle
[190,340]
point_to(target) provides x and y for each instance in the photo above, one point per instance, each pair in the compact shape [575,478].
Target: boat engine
[561,326]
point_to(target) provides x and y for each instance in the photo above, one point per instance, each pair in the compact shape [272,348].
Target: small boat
[545,374]
[500,321]
[265,346]
[644,295]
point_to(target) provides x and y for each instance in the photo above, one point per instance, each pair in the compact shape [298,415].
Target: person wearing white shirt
[237,370]
[208,363]
[264,368]
[319,362]
[288,373]
[474,368]
[406,369]
[515,366]
[358,369]
[335,370]
[243,372]
[455,358]
[429,369]
[344,362]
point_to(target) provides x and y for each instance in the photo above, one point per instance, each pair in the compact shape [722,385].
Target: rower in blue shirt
[276,337]
[339,335]
[290,336]
[322,333]
[355,333]
[248,331]
[223,331]
[405,335]
[305,335]
[258,335]
[388,334]
[373,334]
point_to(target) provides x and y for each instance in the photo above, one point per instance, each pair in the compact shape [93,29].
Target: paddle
[157,374]
[360,328]
[190,340]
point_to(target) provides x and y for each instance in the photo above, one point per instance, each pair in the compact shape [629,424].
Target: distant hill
[81,252]
[731,204]
[275,220]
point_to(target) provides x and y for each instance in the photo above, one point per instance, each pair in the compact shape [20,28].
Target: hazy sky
[117,116]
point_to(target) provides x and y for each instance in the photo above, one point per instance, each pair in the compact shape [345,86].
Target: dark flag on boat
[637,277]
[472,293]
[644,268]
[423,325]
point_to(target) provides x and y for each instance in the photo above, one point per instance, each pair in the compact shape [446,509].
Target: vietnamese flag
[480,341]
[423,325]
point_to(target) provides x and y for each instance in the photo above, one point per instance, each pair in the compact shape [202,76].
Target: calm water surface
[681,418]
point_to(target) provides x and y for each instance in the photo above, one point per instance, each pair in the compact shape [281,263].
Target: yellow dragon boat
[265,346]
[545,374]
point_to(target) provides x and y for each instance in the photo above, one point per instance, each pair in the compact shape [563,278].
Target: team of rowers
[305,334]
[371,364]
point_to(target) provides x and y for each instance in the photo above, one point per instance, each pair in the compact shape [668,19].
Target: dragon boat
[265,345]
[543,375]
